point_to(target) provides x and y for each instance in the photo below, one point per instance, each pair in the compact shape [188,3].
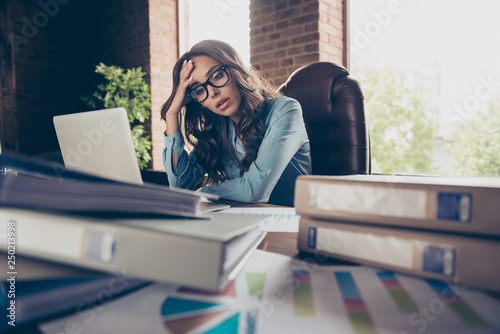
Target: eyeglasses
[218,79]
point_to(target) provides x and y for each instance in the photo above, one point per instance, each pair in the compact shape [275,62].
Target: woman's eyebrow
[211,70]
[207,75]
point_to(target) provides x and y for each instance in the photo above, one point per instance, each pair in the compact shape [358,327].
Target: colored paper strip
[468,314]
[459,306]
[175,306]
[187,325]
[355,305]
[255,282]
[392,284]
[397,292]
[361,320]
[251,322]
[362,323]
[347,286]
[303,304]
[403,300]
[230,325]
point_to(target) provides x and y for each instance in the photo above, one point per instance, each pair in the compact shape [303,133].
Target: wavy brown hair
[208,132]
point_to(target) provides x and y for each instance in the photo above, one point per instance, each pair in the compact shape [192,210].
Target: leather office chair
[333,110]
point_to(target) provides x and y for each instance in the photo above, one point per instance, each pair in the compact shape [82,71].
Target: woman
[247,144]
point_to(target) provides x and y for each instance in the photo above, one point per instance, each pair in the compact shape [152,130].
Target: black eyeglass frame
[204,85]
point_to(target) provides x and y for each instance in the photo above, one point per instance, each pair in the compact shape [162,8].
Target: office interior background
[429,69]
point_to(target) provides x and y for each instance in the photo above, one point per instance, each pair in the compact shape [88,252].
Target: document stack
[109,229]
[436,227]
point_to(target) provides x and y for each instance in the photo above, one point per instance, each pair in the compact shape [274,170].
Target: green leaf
[126,89]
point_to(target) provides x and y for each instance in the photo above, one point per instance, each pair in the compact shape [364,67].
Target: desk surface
[280,242]
[286,244]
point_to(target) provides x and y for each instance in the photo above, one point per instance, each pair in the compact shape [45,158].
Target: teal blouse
[283,155]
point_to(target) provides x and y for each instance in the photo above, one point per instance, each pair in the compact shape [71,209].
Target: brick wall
[331,32]
[57,47]
[8,119]
[286,34]
[49,56]
[124,34]
[163,55]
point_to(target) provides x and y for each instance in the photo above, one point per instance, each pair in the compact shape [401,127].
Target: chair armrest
[154,176]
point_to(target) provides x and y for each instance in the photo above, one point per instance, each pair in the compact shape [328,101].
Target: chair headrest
[322,88]
[315,72]
[333,110]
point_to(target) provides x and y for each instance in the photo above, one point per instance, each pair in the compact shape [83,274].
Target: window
[431,78]
[226,20]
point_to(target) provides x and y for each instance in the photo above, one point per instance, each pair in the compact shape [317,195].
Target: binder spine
[386,250]
[470,209]
[465,260]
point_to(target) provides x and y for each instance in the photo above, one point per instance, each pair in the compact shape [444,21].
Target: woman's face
[224,101]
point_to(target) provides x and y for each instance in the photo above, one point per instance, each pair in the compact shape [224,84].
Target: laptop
[100,142]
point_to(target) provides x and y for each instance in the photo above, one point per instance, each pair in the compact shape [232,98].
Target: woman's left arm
[283,138]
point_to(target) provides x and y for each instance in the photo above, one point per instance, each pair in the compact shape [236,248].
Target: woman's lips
[223,104]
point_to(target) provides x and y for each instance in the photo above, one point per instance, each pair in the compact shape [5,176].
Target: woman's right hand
[185,79]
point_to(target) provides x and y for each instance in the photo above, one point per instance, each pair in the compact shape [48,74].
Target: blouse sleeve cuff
[176,141]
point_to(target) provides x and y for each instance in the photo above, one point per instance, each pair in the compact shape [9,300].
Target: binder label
[311,238]
[439,260]
[102,246]
[369,200]
[455,206]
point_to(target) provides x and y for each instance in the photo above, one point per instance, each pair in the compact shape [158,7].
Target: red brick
[306,59]
[286,62]
[284,14]
[274,36]
[305,38]
[294,2]
[270,65]
[255,32]
[282,25]
[282,43]
[255,49]
[279,54]
[295,31]
[311,47]
[304,19]
[267,28]
[310,7]
[267,9]
[280,6]
[259,39]
[266,56]
[268,47]
[295,50]
[282,72]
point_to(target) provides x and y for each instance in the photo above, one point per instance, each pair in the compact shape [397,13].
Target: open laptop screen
[99,142]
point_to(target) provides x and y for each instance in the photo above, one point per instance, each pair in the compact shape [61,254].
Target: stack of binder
[435,227]
[147,232]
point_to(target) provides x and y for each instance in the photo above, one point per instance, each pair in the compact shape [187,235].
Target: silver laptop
[100,142]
